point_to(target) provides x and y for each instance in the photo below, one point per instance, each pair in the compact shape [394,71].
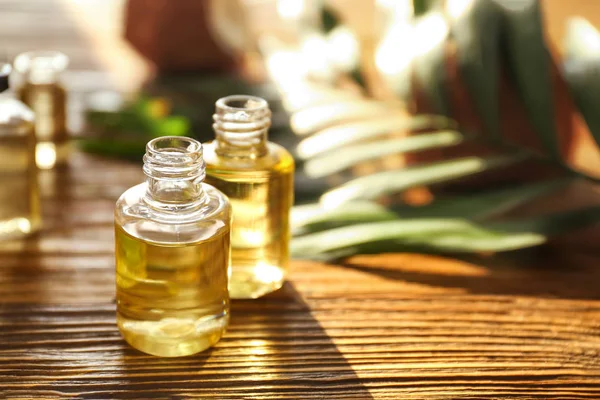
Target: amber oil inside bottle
[19,190]
[257,176]
[44,93]
[172,254]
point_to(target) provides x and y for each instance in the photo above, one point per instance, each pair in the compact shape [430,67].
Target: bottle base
[172,337]
[256,281]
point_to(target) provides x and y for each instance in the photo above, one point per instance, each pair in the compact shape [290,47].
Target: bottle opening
[237,103]
[41,67]
[176,145]
[175,157]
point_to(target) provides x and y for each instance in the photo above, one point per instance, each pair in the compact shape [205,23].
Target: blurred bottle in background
[19,193]
[44,93]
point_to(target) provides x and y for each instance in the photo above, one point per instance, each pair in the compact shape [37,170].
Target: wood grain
[385,327]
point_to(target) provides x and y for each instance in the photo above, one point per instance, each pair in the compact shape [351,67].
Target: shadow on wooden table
[541,272]
[274,348]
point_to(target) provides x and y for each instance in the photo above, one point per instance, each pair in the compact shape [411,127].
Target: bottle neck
[175,170]
[241,124]
[41,67]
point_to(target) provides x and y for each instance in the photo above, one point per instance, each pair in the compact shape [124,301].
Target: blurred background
[454,126]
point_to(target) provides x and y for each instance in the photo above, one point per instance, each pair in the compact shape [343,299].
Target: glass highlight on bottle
[43,92]
[172,252]
[257,176]
[19,190]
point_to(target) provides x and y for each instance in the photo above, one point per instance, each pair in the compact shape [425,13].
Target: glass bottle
[19,190]
[44,93]
[257,176]
[172,254]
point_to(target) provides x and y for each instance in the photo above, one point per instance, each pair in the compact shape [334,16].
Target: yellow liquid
[261,195]
[19,191]
[48,102]
[172,299]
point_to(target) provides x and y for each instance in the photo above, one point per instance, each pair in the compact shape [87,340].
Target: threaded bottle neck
[241,124]
[175,169]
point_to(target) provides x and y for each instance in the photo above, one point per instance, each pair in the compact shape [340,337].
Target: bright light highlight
[342,48]
[315,53]
[457,8]
[286,66]
[290,9]
[45,155]
[404,42]
[268,273]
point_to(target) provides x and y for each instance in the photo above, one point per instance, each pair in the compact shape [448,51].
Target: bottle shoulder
[141,221]
[277,159]
[15,116]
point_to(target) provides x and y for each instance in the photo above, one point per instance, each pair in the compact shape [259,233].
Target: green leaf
[344,158]
[440,235]
[478,241]
[357,75]
[421,7]
[364,234]
[354,132]
[476,34]
[551,224]
[382,183]
[448,235]
[329,20]
[171,126]
[529,62]
[483,205]
[128,149]
[313,217]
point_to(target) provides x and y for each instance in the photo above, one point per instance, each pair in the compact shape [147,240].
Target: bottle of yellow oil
[19,190]
[172,253]
[43,92]
[257,176]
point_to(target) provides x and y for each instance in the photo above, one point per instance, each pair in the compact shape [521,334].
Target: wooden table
[402,326]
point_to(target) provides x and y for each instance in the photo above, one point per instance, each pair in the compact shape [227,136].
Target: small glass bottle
[19,190]
[44,93]
[257,176]
[172,253]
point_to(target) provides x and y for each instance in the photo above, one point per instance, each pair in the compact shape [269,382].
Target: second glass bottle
[257,176]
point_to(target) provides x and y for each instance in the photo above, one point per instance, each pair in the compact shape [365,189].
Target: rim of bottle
[41,66]
[174,157]
[242,119]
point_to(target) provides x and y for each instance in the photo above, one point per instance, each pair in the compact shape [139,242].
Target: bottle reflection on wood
[43,92]
[19,192]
